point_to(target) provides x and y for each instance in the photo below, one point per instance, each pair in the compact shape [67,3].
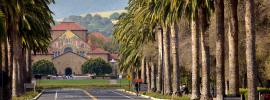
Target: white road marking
[122,95]
[55,97]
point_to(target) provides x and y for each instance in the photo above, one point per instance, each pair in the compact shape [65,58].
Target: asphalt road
[92,94]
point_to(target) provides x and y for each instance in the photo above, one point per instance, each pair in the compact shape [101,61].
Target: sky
[65,8]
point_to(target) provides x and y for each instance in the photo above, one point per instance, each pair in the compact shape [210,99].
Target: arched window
[68,49]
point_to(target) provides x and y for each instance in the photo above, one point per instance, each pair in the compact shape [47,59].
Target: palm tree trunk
[22,70]
[148,74]
[175,57]
[6,88]
[143,70]
[8,68]
[14,71]
[29,66]
[160,60]
[1,72]
[1,54]
[195,59]
[17,53]
[233,49]
[205,95]
[250,50]
[167,68]
[153,77]
[220,78]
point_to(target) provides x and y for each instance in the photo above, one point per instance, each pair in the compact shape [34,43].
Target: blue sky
[65,8]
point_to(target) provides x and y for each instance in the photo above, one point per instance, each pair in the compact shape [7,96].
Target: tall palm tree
[148,74]
[143,70]
[250,50]
[167,68]
[220,54]
[199,24]
[21,15]
[160,60]
[233,49]
[153,77]
[205,94]
[195,95]
[175,58]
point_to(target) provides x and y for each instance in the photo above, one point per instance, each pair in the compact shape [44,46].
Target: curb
[35,98]
[145,96]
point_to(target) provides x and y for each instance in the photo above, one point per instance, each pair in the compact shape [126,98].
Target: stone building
[69,49]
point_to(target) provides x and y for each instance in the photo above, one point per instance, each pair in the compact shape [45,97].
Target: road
[91,94]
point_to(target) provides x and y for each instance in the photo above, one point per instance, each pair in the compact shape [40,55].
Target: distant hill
[95,23]
[65,8]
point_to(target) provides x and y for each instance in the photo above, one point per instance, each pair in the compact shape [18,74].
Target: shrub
[244,91]
[44,67]
[98,66]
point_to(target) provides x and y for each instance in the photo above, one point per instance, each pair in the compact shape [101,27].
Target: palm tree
[250,50]
[199,24]
[160,60]
[205,94]
[195,59]
[175,58]
[143,70]
[148,74]
[167,68]
[35,17]
[220,63]
[153,77]
[233,49]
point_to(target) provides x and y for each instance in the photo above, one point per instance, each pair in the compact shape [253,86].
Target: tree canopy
[98,66]
[44,67]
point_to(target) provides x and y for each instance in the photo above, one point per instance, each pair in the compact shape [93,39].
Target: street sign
[143,87]
[128,77]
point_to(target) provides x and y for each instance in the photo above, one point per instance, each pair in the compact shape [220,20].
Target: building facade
[69,49]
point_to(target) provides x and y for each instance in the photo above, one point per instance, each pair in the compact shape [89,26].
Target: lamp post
[113,67]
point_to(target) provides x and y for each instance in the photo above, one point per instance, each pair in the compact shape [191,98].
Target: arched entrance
[68,49]
[68,71]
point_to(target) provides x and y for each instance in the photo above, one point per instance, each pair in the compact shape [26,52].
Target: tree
[98,66]
[195,59]
[43,67]
[148,75]
[153,77]
[114,16]
[220,54]
[175,58]
[250,50]
[167,64]
[233,49]
[160,60]
[143,70]
[205,94]
[32,17]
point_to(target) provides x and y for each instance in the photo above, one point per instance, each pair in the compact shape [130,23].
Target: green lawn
[93,83]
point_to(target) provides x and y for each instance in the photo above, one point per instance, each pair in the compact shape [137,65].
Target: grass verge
[26,96]
[160,96]
[93,83]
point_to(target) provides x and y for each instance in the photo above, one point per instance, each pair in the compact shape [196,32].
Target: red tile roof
[73,26]
[100,36]
[99,51]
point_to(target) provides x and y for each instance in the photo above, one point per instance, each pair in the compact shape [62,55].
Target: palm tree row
[158,20]
[25,29]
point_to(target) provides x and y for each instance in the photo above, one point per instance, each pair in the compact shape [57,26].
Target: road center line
[122,95]
[90,95]
[55,97]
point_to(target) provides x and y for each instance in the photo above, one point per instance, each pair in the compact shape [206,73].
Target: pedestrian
[137,88]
